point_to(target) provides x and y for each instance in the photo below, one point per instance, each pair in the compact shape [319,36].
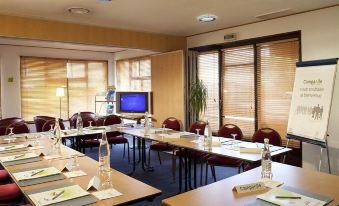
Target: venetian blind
[85,80]
[134,74]
[208,72]
[238,88]
[39,79]
[276,70]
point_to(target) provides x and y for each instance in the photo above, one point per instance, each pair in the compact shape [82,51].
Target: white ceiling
[176,17]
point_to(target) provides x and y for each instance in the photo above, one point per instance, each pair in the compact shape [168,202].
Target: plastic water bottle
[266,161]
[57,133]
[80,124]
[208,135]
[147,125]
[104,154]
[208,130]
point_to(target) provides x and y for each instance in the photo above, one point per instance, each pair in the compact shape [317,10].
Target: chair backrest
[271,134]
[48,123]
[18,128]
[111,120]
[39,122]
[86,117]
[4,123]
[228,129]
[172,123]
[198,125]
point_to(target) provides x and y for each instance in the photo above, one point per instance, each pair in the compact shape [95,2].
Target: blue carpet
[161,177]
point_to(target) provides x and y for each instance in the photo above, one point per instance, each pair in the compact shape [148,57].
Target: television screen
[133,102]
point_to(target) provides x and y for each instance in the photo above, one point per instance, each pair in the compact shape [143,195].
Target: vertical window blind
[41,76]
[238,88]
[276,69]
[134,74]
[208,72]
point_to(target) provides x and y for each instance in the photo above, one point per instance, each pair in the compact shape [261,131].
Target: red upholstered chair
[4,176]
[10,194]
[226,131]
[4,123]
[86,117]
[170,123]
[116,137]
[47,126]
[259,136]
[18,128]
[268,133]
[39,122]
[88,141]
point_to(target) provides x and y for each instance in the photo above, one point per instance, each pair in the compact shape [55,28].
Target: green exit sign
[230,37]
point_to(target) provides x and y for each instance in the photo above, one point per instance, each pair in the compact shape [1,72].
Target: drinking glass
[36,140]
[90,124]
[11,134]
[163,126]
[75,163]
[234,142]
[51,130]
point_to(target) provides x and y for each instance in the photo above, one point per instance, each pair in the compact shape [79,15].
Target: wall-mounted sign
[230,37]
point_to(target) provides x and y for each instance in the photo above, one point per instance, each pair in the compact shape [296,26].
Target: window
[238,88]
[134,74]
[256,83]
[85,80]
[276,69]
[208,72]
[41,76]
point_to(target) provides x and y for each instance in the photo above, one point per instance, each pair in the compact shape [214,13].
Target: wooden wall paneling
[168,86]
[38,29]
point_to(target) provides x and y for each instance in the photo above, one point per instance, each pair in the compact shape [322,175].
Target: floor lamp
[60,92]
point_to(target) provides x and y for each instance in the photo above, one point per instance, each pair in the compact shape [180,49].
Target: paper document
[18,157]
[283,197]
[12,147]
[58,195]
[36,173]
[106,194]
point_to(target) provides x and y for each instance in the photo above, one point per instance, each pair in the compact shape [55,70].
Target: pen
[58,195]
[9,147]
[37,172]
[288,197]
[18,156]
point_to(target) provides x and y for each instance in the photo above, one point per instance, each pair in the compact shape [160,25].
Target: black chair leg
[128,152]
[206,175]
[123,156]
[149,157]
[159,158]
[213,173]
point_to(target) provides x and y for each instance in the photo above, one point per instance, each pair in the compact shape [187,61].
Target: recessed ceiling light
[207,17]
[78,10]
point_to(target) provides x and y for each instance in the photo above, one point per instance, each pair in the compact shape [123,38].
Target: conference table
[189,142]
[220,193]
[131,189]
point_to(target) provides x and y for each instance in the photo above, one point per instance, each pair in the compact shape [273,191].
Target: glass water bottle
[266,161]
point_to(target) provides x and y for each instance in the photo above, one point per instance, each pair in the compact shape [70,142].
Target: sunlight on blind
[39,79]
[87,79]
[208,72]
[276,70]
[238,88]
[134,74]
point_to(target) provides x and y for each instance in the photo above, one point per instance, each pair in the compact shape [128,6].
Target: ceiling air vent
[274,14]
